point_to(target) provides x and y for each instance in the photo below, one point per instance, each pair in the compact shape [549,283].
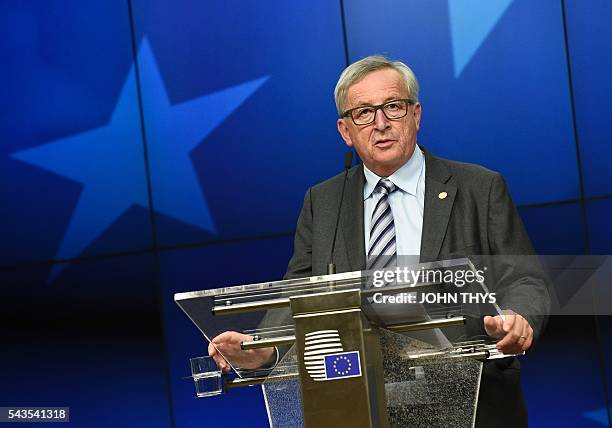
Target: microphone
[348,162]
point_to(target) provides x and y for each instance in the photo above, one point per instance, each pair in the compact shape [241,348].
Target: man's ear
[344,133]
[417,115]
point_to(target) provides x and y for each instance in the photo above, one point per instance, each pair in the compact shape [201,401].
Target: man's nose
[380,120]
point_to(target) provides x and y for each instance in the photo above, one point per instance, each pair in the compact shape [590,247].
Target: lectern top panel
[346,279]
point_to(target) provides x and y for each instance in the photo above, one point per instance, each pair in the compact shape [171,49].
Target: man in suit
[405,201]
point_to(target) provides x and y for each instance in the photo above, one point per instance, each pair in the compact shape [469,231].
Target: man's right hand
[229,345]
[514,331]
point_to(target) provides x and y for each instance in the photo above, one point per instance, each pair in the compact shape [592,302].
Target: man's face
[385,145]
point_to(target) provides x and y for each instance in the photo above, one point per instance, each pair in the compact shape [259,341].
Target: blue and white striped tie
[382,246]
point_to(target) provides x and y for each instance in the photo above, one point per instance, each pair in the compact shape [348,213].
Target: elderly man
[405,201]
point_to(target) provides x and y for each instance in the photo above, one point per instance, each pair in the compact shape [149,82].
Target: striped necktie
[382,246]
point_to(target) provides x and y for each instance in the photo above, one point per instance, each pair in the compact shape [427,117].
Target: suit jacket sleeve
[521,284]
[300,265]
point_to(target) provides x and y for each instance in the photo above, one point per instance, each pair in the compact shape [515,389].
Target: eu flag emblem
[342,365]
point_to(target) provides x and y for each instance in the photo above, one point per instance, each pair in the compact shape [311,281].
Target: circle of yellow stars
[348,368]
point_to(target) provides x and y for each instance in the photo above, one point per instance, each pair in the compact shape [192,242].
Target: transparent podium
[397,348]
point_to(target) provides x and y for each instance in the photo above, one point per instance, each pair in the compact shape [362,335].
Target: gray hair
[358,70]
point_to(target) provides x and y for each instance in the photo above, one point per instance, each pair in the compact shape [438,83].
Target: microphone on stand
[348,162]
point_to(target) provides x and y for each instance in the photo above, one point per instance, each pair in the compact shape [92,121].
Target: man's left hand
[514,331]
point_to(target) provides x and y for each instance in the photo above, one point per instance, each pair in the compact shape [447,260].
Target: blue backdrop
[149,147]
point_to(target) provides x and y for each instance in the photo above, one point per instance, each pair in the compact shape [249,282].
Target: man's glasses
[392,110]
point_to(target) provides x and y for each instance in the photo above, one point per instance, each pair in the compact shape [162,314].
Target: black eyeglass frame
[408,102]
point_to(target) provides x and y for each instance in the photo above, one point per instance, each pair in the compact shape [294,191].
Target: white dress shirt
[407,203]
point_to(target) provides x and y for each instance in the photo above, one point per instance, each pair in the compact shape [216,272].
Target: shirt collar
[406,178]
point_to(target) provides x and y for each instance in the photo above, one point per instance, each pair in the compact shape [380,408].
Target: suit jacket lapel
[352,219]
[439,198]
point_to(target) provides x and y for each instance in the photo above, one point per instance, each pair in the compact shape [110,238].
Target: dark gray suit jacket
[476,218]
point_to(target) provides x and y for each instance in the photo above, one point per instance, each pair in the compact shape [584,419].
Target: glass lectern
[396,348]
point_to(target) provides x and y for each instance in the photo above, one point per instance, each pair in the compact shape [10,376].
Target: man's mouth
[383,143]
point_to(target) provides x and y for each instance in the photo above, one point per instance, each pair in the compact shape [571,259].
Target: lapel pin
[442,195]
